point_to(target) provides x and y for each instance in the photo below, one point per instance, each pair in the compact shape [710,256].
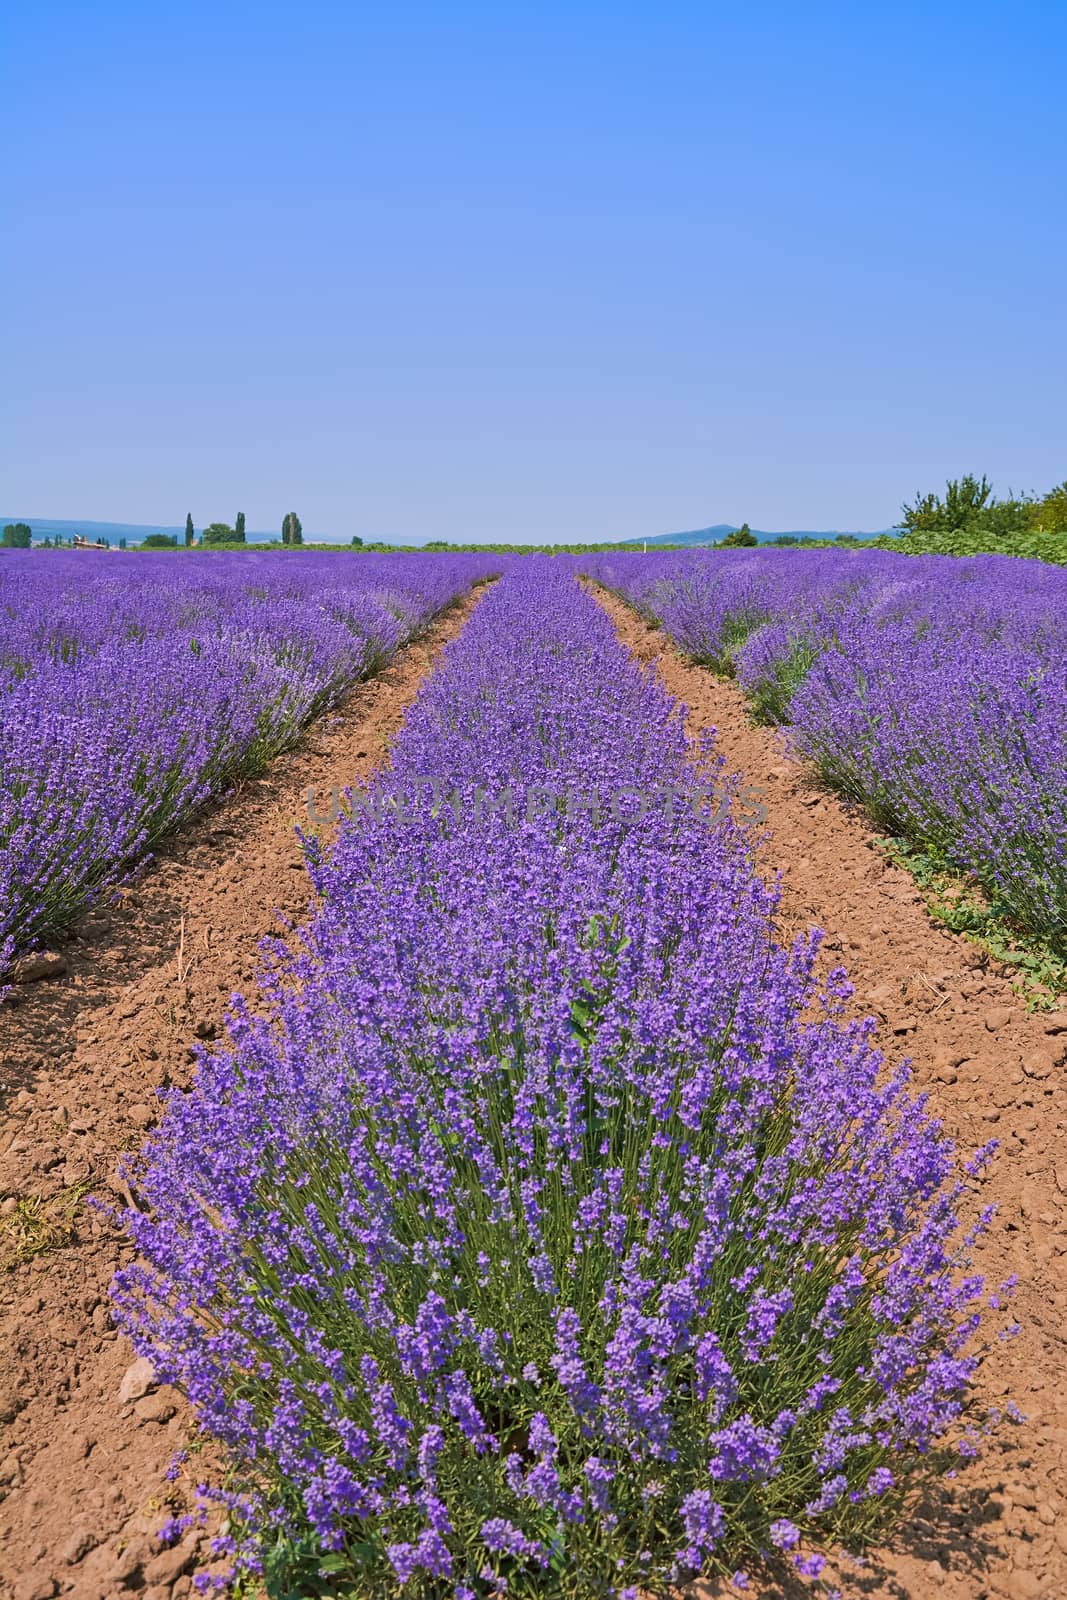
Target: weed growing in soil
[955,901]
[37,1225]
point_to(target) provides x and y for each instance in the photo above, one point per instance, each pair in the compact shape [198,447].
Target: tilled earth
[992,1070]
[85,1437]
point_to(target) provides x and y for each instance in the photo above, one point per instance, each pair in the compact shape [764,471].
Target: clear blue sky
[529,271]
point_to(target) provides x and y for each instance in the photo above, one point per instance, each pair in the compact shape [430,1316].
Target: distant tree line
[221,534]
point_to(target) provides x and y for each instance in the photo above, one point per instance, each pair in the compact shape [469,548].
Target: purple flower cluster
[553,1234]
[933,689]
[132,689]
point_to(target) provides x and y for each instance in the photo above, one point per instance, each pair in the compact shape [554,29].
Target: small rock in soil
[35,1586]
[43,964]
[78,1545]
[169,1565]
[1039,1064]
[128,1562]
[155,1408]
[1022,1586]
[10,1406]
[138,1380]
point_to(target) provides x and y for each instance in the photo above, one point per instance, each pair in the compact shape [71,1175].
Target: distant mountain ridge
[719,530]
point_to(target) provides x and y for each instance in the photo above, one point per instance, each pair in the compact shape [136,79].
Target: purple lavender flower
[703,1522]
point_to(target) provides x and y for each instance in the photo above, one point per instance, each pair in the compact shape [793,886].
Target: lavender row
[552,1235]
[931,689]
[132,689]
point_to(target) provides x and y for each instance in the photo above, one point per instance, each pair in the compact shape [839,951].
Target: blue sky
[529,271]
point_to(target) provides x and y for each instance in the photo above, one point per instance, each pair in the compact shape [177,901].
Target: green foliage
[292,529]
[965,499]
[159,541]
[954,900]
[742,536]
[1049,515]
[189,534]
[786,538]
[969,520]
[1030,544]
[220,533]
[17,536]
[357,542]
[239,528]
[770,698]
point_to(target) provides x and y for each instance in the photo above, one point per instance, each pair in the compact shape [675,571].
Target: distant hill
[719,530]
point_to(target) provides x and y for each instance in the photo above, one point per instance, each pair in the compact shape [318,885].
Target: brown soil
[992,1071]
[82,1056]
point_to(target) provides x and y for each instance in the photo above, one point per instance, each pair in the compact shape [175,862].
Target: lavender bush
[132,689]
[931,689]
[553,1235]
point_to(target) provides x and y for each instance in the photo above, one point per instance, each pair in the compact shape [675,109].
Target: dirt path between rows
[85,1442]
[992,1071]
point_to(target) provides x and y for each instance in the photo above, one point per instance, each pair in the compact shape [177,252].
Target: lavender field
[555,1234]
[543,1225]
[933,690]
[132,690]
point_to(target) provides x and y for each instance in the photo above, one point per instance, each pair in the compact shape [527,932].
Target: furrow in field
[82,1057]
[992,1071]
